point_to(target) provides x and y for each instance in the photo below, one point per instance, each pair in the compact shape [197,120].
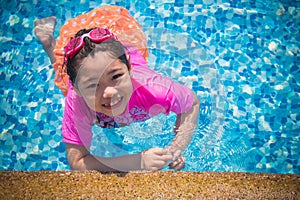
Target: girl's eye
[116,76]
[93,86]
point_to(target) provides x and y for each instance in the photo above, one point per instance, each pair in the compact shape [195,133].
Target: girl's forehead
[99,62]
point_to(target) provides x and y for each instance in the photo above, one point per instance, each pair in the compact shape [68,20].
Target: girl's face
[104,83]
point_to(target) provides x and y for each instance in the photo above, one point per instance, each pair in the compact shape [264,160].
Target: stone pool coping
[147,185]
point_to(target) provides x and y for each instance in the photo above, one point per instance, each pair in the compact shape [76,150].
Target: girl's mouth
[114,103]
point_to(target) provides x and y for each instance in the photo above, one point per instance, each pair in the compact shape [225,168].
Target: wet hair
[113,47]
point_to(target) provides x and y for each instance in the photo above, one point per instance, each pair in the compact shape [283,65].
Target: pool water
[242,59]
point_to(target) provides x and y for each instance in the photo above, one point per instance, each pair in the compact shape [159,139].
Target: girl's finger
[159,151]
[176,155]
[180,165]
[174,164]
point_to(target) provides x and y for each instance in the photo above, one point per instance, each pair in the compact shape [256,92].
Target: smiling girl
[107,82]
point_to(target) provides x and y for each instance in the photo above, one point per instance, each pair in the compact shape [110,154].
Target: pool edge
[147,185]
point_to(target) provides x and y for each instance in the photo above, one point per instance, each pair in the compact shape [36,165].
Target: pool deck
[147,185]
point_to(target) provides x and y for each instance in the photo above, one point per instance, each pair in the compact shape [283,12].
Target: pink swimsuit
[152,94]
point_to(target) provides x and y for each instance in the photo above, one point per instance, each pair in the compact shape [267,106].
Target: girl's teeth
[113,102]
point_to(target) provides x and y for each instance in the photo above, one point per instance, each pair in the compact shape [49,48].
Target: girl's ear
[129,64]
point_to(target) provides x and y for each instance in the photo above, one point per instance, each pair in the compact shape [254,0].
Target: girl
[107,82]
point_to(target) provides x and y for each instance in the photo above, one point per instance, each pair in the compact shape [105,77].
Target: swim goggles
[96,35]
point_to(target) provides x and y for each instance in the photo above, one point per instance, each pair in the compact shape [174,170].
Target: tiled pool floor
[240,57]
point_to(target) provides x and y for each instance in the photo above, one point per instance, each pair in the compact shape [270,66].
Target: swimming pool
[240,57]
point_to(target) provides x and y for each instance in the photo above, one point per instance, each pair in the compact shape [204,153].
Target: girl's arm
[185,125]
[80,158]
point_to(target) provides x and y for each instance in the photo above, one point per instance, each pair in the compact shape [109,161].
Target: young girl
[103,73]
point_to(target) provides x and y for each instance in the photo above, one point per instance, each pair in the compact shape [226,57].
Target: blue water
[240,57]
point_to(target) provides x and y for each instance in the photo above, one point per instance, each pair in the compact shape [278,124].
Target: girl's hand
[154,159]
[178,161]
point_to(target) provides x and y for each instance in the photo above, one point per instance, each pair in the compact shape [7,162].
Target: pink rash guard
[152,94]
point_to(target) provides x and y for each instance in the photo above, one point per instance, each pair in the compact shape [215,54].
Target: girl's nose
[109,92]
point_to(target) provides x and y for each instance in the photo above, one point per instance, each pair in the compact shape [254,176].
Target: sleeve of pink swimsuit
[156,93]
[77,121]
[178,98]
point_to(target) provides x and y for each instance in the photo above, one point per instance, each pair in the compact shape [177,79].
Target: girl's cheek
[91,99]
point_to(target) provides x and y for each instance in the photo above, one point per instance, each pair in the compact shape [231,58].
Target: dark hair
[114,47]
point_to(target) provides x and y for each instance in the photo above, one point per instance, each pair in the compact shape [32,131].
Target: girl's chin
[113,112]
